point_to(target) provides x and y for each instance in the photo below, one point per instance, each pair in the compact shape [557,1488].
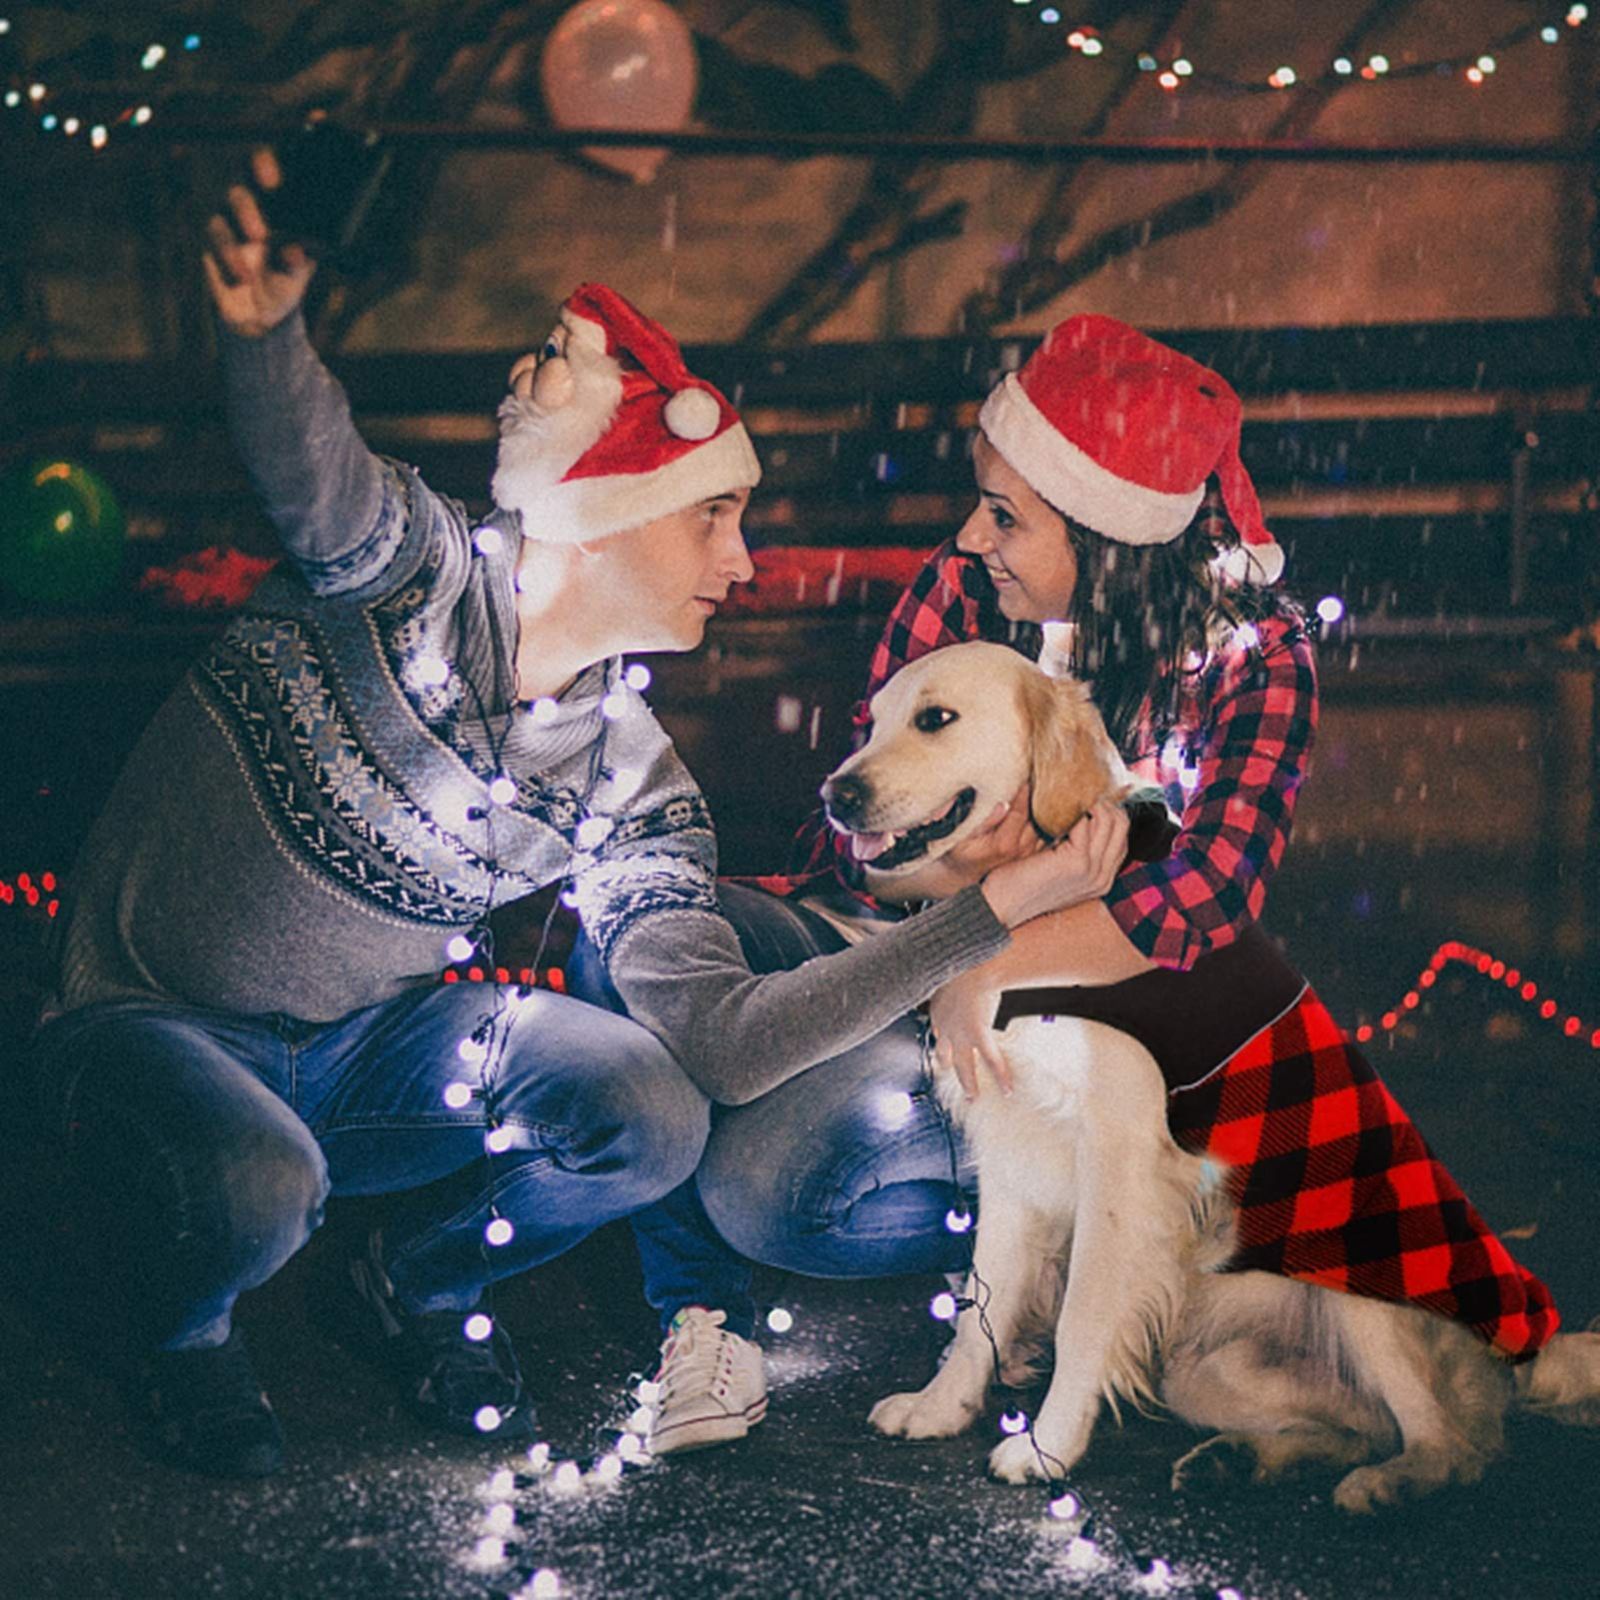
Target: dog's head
[954,734]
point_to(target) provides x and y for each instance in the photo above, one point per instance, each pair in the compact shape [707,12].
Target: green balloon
[61,533]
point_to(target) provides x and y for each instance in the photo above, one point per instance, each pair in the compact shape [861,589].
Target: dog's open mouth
[883,852]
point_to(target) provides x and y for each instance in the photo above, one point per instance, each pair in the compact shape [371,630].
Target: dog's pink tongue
[868,846]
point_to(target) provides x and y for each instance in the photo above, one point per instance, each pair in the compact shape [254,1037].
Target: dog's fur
[1093,1220]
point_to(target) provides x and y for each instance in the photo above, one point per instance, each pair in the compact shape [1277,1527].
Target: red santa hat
[613,429]
[1120,433]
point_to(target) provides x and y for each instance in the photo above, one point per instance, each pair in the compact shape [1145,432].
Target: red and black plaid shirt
[1231,769]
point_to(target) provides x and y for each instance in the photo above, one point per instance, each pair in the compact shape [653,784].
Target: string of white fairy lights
[1475,66]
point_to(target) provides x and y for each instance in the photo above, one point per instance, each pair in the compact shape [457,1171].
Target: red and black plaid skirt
[1334,1184]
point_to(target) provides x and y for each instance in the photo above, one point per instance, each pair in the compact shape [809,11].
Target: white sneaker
[713,1386]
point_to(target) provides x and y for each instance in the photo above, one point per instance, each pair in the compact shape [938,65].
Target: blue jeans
[845,1171]
[206,1144]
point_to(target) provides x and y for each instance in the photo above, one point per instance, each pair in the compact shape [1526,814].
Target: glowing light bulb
[641,1421]
[1344,66]
[1064,1506]
[499,1231]
[894,1108]
[943,1306]
[499,1140]
[1182,67]
[568,1477]
[1092,46]
[153,57]
[459,947]
[471,1049]
[1282,78]
[614,705]
[1014,1422]
[1158,1579]
[13,97]
[1148,63]
[501,1486]
[544,710]
[779,1320]
[5,24]
[1550,35]
[958,1219]
[1246,636]
[503,790]
[142,116]
[630,1447]
[539,1456]
[489,540]
[648,1392]
[486,1419]
[1168,80]
[48,123]
[637,677]
[1379,63]
[430,670]
[608,1468]
[36,92]
[1486,63]
[592,832]
[458,1095]
[70,126]
[192,42]
[500,1519]
[489,1551]
[544,1585]
[1049,15]
[1083,1553]
[1330,608]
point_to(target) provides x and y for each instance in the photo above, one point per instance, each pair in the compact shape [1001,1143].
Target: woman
[1117,531]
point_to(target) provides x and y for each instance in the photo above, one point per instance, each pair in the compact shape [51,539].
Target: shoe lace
[692,1354]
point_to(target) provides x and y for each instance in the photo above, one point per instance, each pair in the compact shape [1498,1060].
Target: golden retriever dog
[1093,1221]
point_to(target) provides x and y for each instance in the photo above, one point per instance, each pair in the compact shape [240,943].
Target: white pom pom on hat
[692,414]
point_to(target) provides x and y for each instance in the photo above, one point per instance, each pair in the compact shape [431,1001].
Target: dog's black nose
[845,798]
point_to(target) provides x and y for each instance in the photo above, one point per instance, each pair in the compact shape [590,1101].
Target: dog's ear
[1067,769]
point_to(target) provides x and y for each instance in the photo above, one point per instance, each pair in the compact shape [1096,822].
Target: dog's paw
[1366,1489]
[1018,1460]
[1219,1463]
[915,1416]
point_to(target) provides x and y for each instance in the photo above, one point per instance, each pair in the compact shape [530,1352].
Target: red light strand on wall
[1496,971]
[27,892]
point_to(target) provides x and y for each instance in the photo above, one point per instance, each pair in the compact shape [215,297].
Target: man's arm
[338,509]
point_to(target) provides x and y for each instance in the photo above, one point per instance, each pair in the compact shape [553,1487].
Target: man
[413,721]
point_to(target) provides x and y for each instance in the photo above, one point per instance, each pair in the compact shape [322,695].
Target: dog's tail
[1563,1380]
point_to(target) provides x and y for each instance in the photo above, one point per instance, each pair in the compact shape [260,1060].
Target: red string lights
[1490,967]
[29,892]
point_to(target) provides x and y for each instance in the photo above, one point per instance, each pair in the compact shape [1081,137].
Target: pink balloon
[620,64]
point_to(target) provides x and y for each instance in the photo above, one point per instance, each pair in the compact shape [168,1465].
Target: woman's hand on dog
[962,1013]
[1082,867]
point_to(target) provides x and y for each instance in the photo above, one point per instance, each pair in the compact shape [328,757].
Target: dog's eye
[930,719]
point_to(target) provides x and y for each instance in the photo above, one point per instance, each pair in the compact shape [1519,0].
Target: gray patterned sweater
[306,821]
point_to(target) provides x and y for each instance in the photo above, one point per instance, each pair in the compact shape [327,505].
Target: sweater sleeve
[339,509]
[1252,757]
[738,1035]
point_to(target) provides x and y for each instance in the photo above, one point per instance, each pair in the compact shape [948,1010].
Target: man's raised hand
[254,288]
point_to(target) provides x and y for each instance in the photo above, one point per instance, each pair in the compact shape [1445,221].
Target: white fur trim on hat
[580,509]
[1073,481]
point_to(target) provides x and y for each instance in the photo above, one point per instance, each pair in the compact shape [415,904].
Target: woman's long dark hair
[1143,612]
